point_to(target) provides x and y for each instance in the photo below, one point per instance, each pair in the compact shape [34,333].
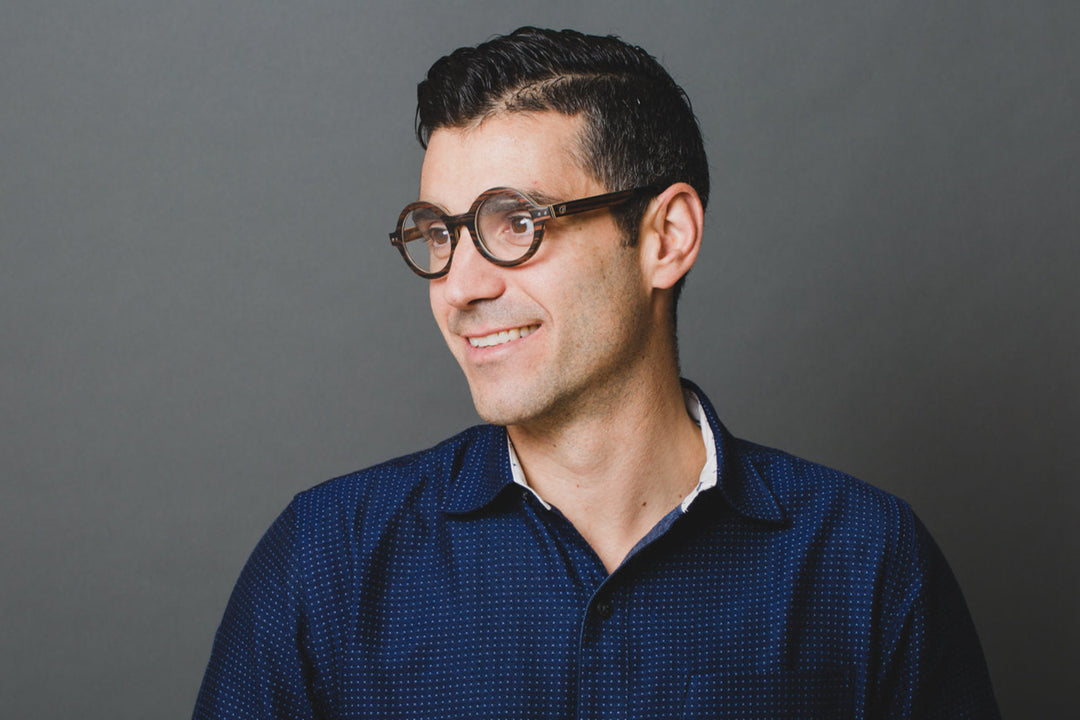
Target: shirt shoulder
[862,527]
[420,482]
[810,492]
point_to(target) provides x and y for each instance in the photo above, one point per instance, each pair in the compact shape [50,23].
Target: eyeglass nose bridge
[454,223]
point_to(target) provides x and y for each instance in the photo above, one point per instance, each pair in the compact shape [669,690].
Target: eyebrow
[538,196]
[501,202]
[541,198]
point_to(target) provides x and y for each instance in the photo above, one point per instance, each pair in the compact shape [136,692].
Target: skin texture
[591,397]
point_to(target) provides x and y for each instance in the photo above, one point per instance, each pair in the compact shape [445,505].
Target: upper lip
[507,328]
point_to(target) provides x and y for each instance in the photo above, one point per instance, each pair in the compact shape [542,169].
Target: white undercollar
[706,480]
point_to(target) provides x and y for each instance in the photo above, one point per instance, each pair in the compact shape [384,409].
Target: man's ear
[670,234]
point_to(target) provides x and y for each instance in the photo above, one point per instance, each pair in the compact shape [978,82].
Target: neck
[616,471]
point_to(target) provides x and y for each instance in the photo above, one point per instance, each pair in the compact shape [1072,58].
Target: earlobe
[672,230]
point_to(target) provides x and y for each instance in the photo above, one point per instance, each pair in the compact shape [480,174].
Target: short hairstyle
[639,128]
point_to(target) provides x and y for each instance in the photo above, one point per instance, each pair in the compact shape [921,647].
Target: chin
[499,406]
[498,413]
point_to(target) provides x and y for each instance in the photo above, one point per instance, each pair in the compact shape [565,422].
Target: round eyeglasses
[506,226]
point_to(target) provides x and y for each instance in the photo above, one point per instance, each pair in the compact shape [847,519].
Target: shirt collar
[518,474]
[480,470]
[489,465]
[737,479]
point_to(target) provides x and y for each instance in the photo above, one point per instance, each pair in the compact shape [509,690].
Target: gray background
[200,314]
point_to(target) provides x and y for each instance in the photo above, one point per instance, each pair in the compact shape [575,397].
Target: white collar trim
[706,480]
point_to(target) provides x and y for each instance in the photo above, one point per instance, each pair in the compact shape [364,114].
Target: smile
[503,336]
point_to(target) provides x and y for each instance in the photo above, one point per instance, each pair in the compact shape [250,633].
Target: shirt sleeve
[933,665]
[259,664]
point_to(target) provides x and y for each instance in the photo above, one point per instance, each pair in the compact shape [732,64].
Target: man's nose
[471,277]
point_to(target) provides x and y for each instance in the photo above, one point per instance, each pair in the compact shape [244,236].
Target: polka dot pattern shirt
[434,586]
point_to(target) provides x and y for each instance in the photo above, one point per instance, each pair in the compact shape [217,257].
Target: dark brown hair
[639,128]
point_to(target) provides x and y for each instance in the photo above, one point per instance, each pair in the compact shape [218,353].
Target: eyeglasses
[506,226]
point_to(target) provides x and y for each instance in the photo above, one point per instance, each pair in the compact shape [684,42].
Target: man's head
[589,317]
[638,128]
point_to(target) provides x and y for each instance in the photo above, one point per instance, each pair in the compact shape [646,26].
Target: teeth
[503,336]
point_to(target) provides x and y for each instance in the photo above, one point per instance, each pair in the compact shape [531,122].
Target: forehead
[534,152]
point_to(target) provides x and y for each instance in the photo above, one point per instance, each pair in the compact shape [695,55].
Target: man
[603,548]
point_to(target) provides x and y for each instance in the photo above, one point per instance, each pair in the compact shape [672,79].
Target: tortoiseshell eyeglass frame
[540,215]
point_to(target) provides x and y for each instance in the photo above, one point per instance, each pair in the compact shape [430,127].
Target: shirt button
[604,610]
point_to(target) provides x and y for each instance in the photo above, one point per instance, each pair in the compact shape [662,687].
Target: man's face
[559,334]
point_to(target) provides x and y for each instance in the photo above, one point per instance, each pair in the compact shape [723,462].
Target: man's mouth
[503,336]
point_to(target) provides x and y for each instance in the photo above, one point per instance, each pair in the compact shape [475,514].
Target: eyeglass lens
[504,223]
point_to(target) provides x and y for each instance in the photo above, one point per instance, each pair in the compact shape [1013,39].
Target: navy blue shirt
[433,586]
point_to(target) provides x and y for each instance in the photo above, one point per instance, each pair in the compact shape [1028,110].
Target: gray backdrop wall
[200,314]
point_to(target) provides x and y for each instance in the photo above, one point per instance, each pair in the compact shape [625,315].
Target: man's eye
[437,235]
[521,224]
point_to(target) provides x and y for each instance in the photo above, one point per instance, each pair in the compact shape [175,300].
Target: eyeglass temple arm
[406,235]
[588,204]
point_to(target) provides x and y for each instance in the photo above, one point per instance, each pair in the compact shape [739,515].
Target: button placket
[603,689]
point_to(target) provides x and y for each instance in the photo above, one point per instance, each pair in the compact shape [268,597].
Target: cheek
[439,312]
[618,285]
[438,307]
